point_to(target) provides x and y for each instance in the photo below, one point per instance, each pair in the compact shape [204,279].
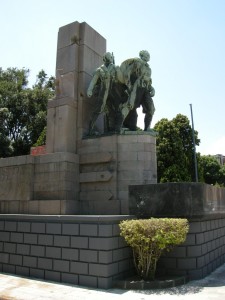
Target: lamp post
[193,137]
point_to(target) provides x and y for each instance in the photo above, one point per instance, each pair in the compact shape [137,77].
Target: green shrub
[150,238]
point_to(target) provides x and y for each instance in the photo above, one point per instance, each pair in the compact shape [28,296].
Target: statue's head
[144,55]
[108,57]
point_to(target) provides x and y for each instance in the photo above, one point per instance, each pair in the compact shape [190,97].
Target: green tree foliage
[222,176]
[175,152]
[5,148]
[213,173]
[150,238]
[24,109]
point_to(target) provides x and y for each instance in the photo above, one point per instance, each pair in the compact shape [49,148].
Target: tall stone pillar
[79,51]
[57,175]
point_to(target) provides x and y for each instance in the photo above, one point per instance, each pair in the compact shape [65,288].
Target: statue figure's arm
[152,91]
[92,83]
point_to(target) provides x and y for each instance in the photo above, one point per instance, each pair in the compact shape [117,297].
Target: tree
[221,180]
[212,171]
[26,109]
[175,149]
[5,149]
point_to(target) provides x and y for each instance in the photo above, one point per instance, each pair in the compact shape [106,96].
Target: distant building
[220,158]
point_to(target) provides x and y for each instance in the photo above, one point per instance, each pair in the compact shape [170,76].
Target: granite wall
[202,253]
[81,250]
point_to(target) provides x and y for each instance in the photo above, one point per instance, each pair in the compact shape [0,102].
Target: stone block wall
[79,250]
[44,184]
[88,250]
[202,253]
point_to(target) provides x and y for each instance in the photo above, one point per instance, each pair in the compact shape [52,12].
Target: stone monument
[60,210]
[81,172]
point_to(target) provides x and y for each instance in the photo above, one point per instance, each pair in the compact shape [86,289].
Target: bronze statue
[100,86]
[137,74]
[120,90]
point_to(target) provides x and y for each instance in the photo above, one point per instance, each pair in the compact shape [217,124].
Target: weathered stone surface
[67,33]
[176,200]
[79,52]
[93,158]
[97,195]
[95,176]
[67,58]
[41,178]
[16,180]
[60,134]
[111,154]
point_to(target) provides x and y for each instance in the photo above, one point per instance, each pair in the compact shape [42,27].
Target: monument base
[94,181]
[89,251]
[111,163]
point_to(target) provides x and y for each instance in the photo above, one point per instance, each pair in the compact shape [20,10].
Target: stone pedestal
[108,165]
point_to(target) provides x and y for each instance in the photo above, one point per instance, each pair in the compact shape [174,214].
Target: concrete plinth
[109,164]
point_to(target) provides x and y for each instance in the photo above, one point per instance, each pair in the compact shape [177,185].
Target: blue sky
[185,38]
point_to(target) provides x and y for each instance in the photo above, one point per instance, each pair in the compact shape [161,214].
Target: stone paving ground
[13,287]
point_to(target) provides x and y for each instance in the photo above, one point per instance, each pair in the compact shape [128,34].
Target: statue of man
[148,90]
[100,86]
[141,90]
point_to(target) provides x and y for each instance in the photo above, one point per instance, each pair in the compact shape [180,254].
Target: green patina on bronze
[120,90]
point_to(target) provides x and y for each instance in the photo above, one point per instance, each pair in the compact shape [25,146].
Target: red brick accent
[39,150]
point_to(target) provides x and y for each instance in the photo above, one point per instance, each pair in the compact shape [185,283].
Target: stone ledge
[179,200]
[16,161]
[141,132]
[57,157]
[67,218]
[124,132]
